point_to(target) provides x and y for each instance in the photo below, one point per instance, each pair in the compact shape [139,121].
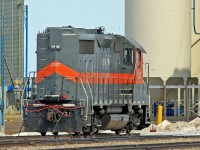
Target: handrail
[22,98]
[91,95]
[86,100]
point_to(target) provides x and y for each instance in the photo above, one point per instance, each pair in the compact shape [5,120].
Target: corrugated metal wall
[13,11]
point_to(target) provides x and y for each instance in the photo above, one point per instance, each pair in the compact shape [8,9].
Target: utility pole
[2,72]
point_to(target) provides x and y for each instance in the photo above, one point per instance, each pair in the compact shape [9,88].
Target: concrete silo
[163,28]
[13,12]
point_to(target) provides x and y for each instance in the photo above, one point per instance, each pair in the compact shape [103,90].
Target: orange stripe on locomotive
[91,77]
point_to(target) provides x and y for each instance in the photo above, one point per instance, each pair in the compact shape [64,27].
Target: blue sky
[78,13]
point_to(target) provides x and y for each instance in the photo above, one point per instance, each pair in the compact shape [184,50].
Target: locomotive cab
[132,92]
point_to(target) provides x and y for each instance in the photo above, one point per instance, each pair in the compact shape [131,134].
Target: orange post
[159,119]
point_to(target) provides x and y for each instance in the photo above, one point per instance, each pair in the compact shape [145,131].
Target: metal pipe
[2,70]
[185,85]
[26,74]
[12,44]
[193,100]
[198,97]
[164,100]
[194,18]
[187,102]
[179,100]
[147,77]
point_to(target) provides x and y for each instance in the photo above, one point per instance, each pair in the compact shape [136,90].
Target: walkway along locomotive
[86,81]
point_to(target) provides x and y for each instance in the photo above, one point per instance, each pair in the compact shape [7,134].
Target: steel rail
[9,141]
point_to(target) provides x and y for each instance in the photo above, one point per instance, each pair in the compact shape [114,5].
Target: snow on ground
[37,133]
[179,128]
[32,134]
[2,134]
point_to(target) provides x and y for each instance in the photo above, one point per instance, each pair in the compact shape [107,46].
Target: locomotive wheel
[55,133]
[142,124]
[117,132]
[43,133]
[128,130]
[77,133]
[129,127]
[96,132]
[87,133]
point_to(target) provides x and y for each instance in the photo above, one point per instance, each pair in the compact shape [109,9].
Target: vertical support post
[164,99]
[175,108]
[189,99]
[179,100]
[154,109]
[184,96]
[193,97]
[26,73]
[159,114]
[2,73]
[186,100]
[198,97]
[147,77]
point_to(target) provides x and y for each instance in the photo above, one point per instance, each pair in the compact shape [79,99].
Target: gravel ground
[36,147]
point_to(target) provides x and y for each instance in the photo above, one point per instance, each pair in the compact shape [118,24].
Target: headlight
[57,46]
[53,46]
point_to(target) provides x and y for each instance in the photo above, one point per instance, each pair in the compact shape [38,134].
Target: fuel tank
[114,121]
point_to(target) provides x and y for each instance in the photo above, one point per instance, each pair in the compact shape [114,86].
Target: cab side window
[139,58]
[128,56]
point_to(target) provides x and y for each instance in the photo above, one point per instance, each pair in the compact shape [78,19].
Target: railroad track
[10,141]
[157,146]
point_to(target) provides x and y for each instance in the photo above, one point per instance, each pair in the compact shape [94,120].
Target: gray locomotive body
[86,81]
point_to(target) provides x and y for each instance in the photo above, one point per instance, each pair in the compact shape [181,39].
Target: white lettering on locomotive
[55,64]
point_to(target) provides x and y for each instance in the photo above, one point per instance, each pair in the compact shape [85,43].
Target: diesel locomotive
[86,81]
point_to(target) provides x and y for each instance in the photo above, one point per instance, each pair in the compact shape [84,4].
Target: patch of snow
[106,131]
[164,124]
[178,128]
[37,133]
[2,134]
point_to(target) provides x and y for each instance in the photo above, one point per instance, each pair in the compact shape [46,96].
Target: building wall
[13,11]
